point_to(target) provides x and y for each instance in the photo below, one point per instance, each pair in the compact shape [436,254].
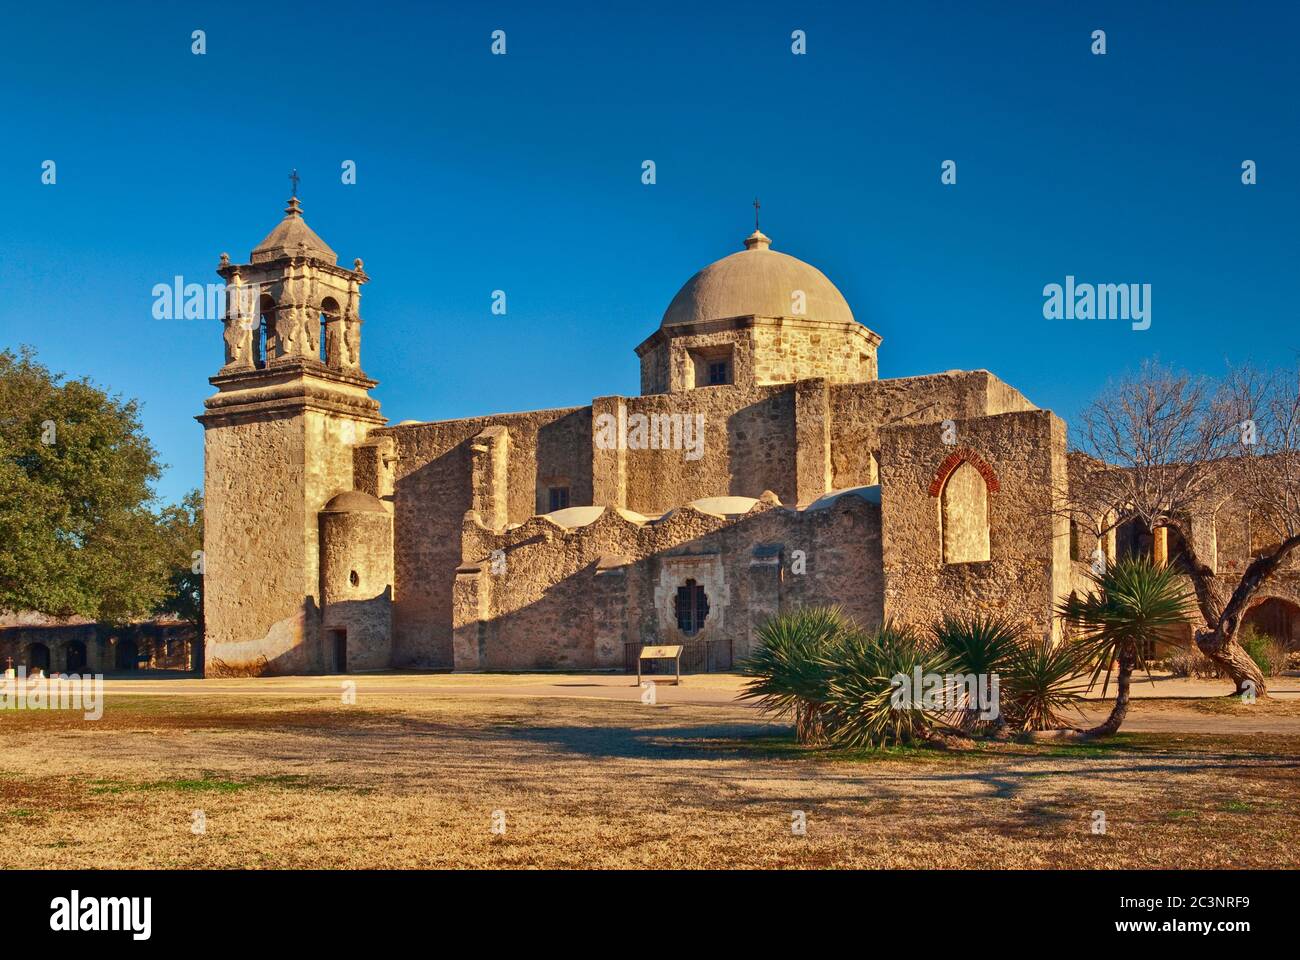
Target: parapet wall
[860,411]
[543,596]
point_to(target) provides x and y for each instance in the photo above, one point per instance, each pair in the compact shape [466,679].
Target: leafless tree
[1170,450]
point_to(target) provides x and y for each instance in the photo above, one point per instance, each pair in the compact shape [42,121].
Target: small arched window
[964,516]
[330,331]
[264,336]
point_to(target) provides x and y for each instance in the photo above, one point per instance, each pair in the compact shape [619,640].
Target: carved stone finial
[225,259]
[358,266]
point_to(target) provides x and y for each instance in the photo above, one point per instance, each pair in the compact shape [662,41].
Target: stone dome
[292,237]
[757,281]
[354,501]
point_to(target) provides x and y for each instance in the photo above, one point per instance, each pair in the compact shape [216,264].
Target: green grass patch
[1236,806]
[1108,747]
[787,748]
[208,782]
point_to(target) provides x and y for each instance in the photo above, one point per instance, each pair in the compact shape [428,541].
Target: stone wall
[759,351]
[432,490]
[671,359]
[797,441]
[748,448]
[356,536]
[1023,454]
[789,349]
[571,598]
[859,411]
[106,648]
[257,569]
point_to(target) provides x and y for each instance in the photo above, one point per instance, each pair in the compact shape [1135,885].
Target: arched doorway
[1278,618]
[38,658]
[1134,540]
[76,657]
[127,654]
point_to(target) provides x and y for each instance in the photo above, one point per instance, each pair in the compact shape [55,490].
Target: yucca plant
[1130,608]
[862,706]
[792,664]
[1039,683]
[980,644]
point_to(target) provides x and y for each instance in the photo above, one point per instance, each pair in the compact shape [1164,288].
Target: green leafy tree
[181,529]
[77,532]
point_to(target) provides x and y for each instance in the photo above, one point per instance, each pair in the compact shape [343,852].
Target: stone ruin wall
[160,644]
[1222,539]
[560,598]
[780,438]
[432,490]
[1028,566]
[860,410]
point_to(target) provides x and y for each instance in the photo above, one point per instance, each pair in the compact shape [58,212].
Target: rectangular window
[718,373]
[559,498]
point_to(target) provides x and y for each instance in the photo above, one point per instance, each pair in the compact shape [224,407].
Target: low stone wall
[543,596]
[81,646]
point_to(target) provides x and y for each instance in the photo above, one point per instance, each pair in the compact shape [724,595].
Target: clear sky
[523,173]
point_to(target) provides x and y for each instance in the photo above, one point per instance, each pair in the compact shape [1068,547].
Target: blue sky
[522,173]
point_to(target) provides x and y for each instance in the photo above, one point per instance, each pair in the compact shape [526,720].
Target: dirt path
[1169,705]
[415,771]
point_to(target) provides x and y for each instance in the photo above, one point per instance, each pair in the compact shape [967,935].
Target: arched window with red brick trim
[964,515]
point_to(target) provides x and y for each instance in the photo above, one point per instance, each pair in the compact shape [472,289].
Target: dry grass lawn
[412,781]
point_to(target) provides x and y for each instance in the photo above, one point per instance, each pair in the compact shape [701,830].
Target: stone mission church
[763,466]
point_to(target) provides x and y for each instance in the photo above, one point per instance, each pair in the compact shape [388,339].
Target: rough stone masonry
[528,541]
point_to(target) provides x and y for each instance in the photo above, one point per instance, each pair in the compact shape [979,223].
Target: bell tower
[291,402]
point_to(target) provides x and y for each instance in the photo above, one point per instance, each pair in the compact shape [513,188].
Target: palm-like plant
[792,664]
[983,645]
[861,707]
[1038,684]
[1131,607]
